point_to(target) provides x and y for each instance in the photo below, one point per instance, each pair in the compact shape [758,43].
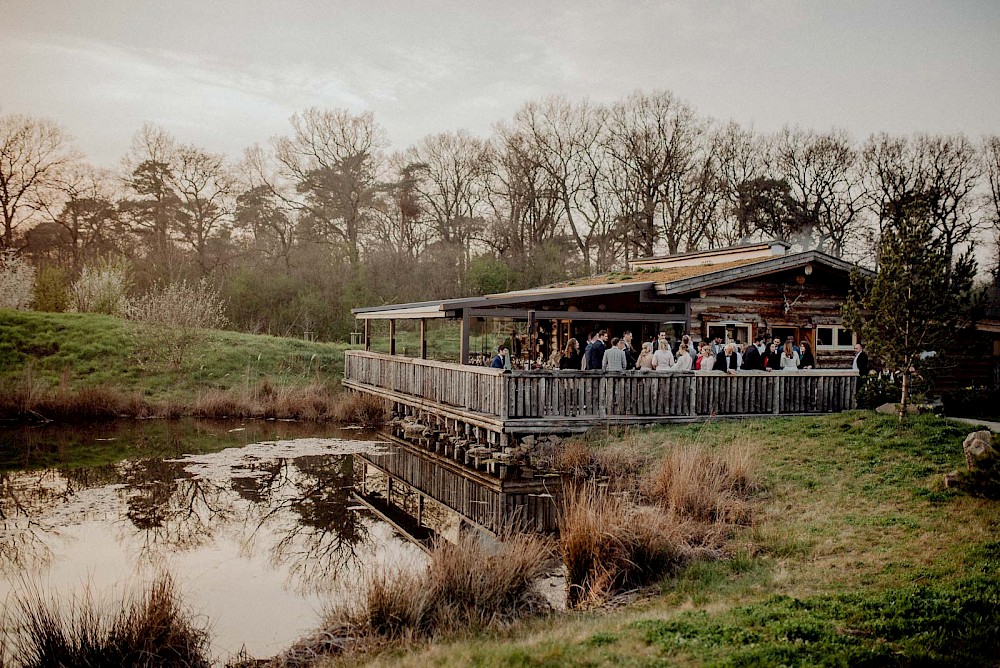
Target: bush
[171,320]
[17,280]
[873,391]
[103,289]
[51,291]
[972,402]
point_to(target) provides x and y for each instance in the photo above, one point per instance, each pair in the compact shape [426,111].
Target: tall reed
[148,629]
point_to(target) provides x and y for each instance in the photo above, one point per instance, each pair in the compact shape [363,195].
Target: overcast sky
[224,74]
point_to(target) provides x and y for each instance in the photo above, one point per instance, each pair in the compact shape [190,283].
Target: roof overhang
[447,308]
[755,269]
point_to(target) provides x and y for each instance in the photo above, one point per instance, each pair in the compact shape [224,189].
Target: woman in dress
[663,359]
[571,358]
[645,361]
[683,361]
[808,361]
[789,358]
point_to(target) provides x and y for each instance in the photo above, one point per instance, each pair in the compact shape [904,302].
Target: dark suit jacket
[752,361]
[863,363]
[595,356]
[720,361]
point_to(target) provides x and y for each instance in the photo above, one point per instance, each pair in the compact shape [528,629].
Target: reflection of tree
[171,506]
[321,536]
[24,498]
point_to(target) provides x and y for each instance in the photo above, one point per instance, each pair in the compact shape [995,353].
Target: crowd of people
[605,353]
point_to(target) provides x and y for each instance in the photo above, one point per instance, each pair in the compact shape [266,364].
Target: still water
[257,521]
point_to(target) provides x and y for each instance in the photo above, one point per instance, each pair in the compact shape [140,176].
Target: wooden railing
[608,396]
[473,388]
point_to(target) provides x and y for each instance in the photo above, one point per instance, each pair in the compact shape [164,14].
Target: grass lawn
[95,350]
[857,556]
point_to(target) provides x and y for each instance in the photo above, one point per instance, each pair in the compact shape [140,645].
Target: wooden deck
[526,402]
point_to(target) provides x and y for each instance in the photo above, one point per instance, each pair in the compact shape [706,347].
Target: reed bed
[148,629]
[466,588]
[623,527]
[27,398]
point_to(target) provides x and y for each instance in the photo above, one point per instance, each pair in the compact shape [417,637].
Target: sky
[225,74]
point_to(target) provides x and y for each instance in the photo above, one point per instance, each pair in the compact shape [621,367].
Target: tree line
[328,216]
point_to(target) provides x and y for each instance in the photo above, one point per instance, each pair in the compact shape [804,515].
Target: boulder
[979,449]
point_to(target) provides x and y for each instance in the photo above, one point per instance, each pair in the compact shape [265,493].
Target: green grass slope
[83,350]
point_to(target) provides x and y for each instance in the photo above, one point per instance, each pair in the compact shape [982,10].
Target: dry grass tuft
[466,588]
[361,409]
[704,484]
[151,629]
[609,544]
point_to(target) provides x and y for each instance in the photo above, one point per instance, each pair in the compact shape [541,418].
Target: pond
[257,522]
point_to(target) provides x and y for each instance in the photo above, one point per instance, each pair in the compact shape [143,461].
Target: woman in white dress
[683,361]
[789,358]
[663,359]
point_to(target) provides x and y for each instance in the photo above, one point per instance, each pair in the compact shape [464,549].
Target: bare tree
[522,196]
[938,173]
[32,153]
[566,141]
[206,189]
[449,179]
[742,157]
[264,208]
[654,139]
[87,214]
[991,165]
[334,158]
[820,169]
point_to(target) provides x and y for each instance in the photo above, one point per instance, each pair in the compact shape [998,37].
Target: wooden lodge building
[735,293]
[478,440]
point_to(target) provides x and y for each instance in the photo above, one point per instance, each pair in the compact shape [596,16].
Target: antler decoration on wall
[784,296]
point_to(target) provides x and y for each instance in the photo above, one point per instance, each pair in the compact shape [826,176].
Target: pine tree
[919,300]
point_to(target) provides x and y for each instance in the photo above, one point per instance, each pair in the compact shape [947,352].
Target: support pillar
[532,352]
[423,338]
[463,356]
[392,336]
[368,334]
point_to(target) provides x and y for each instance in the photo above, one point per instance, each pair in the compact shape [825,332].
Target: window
[736,332]
[834,337]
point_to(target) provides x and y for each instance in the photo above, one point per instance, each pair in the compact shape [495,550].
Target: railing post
[693,410]
[777,393]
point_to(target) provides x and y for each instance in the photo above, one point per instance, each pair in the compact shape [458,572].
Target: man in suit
[502,360]
[727,359]
[631,355]
[860,363]
[614,357]
[752,359]
[595,356]
[717,346]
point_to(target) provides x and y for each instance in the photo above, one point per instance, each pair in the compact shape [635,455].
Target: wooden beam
[532,338]
[423,338]
[368,335]
[392,336]
[605,316]
[463,356]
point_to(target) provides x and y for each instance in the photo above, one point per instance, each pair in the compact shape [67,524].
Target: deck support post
[368,334]
[392,336]
[423,338]
[777,394]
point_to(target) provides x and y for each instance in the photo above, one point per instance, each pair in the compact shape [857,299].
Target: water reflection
[274,516]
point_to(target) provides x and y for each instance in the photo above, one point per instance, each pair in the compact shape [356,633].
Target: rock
[555,440]
[979,449]
[528,440]
[893,409]
[952,479]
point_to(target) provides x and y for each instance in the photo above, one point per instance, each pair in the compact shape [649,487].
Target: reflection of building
[442,497]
